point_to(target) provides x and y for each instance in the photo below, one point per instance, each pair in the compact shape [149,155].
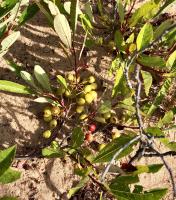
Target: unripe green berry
[47,112]
[60,91]
[107,115]
[47,134]
[83,117]
[70,77]
[87,88]
[94,86]
[53,124]
[68,93]
[80,109]
[47,119]
[55,111]
[89,98]
[81,101]
[100,119]
[91,79]
[54,144]
[113,119]
[93,93]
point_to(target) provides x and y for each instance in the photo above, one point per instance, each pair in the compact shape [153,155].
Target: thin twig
[169,171]
[83,45]
[117,154]
[137,100]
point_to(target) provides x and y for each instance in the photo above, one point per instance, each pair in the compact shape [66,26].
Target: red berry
[92,128]
[89,137]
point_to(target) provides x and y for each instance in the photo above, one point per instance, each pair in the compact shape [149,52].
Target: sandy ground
[44,179]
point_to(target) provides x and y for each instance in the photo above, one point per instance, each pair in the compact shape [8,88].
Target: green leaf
[62,28]
[75,189]
[160,96]
[28,13]
[8,198]
[147,11]
[42,77]
[50,152]
[62,81]
[100,6]
[88,11]
[122,182]
[118,39]
[167,119]
[86,23]
[28,78]
[166,3]
[9,40]
[14,67]
[138,189]
[106,154]
[152,61]
[121,10]
[114,66]
[74,10]
[161,28]
[6,158]
[147,169]
[147,77]
[145,36]
[77,138]
[53,8]
[9,176]
[151,195]
[9,86]
[154,131]
[44,100]
[171,60]
[105,107]
[117,82]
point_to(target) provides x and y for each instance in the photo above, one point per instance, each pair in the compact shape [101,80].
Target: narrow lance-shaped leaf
[118,79]
[9,176]
[52,153]
[62,81]
[147,10]
[120,10]
[8,198]
[160,96]
[28,78]
[161,28]
[145,36]
[75,189]
[147,77]
[171,61]
[74,14]
[62,28]
[156,194]
[9,86]
[77,137]
[42,77]
[156,62]
[106,154]
[53,8]
[6,158]
[28,13]
[9,40]
[88,11]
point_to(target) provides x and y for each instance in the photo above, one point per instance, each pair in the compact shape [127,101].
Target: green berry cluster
[87,96]
[50,115]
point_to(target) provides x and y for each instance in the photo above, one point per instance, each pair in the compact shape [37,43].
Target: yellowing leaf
[145,36]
